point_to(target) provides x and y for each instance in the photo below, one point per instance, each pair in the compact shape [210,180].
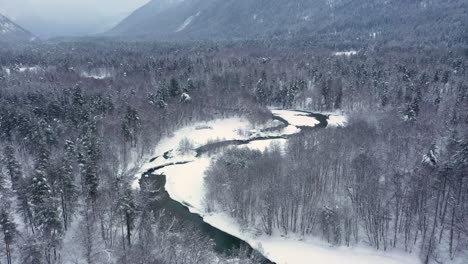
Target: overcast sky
[54,17]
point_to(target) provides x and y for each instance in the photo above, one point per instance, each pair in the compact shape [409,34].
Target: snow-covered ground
[185,184]
[337,120]
[7,71]
[187,22]
[98,74]
[33,69]
[345,53]
[298,250]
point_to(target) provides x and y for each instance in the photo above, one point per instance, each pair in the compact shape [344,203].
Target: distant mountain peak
[10,31]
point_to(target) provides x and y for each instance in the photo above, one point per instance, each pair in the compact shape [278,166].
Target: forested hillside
[321,22]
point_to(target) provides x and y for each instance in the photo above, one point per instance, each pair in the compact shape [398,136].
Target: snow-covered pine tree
[31,252]
[45,213]
[174,88]
[12,166]
[24,205]
[432,156]
[261,92]
[9,230]
[89,155]
[161,99]
[190,85]
[127,208]
[130,125]
[66,183]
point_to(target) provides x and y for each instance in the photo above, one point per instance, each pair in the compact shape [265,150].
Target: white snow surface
[7,71]
[6,26]
[345,53]
[337,120]
[300,250]
[185,184]
[187,22]
[33,69]
[97,74]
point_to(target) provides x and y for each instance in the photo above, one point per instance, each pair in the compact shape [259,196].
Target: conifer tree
[66,184]
[31,252]
[174,88]
[12,166]
[9,231]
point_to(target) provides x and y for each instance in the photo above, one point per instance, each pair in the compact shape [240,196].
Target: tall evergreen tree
[45,212]
[31,252]
[174,88]
[261,92]
[12,166]
[9,231]
[127,208]
[89,155]
[66,184]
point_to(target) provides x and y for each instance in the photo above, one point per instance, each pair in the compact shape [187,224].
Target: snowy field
[185,184]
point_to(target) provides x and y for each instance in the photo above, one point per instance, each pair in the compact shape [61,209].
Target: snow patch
[337,120]
[97,74]
[187,22]
[345,53]
[33,69]
[7,71]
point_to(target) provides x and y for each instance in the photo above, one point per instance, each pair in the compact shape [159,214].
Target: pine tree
[45,213]
[291,93]
[130,125]
[66,184]
[174,88]
[339,97]
[161,99]
[89,155]
[24,205]
[190,85]
[127,208]
[326,93]
[31,252]
[12,166]
[2,178]
[9,231]
[261,92]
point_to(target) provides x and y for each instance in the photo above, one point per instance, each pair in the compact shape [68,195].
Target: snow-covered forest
[92,133]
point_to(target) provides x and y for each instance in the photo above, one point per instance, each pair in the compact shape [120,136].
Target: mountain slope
[428,21]
[141,20]
[10,31]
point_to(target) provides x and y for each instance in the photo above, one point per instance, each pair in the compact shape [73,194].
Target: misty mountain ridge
[421,22]
[10,31]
